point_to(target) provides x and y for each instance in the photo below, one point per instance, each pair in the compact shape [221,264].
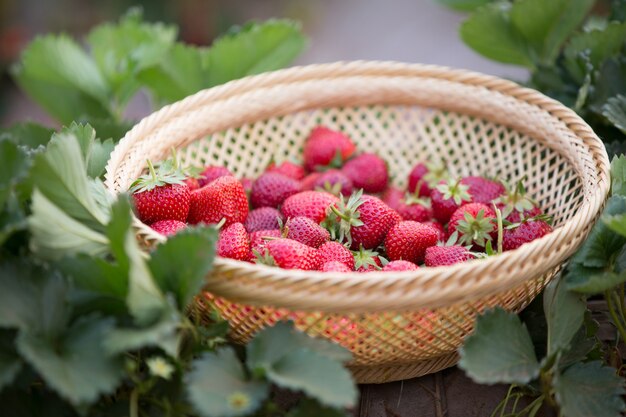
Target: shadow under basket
[397,325]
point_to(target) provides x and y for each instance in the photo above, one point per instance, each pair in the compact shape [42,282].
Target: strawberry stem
[339,213]
[152,171]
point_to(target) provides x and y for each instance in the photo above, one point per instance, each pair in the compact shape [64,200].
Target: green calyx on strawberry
[368,260]
[515,199]
[343,216]
[475,223]
[455,190]
[436,172]
[166,174]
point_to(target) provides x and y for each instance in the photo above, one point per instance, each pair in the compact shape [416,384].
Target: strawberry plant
[575,51]
[92,324]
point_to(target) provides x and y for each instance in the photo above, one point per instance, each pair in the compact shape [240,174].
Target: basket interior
[403,136]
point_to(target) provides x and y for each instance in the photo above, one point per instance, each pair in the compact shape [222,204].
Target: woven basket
[405,324]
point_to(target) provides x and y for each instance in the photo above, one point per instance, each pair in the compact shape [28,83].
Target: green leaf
[565,313]
[600,45]
[54,67]
[616,223]
[594,280]
[96,275]
[217,386]
[618,175]
[56,235]
[589,389]
[615,111]
[602,244]
[29,134]
[14,165]
[291,360]
[122,50]
[489,32]
[95,152]
[75,365]
[499,351]
[60,175]
[310,408]
[255,48]
[547,25]
[10,362]
[465,5]
[581,345]
[180,265]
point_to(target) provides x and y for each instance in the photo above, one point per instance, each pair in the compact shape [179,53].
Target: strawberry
[476,224]
[289,254]
[439,227]
[528,230]
[516,216]
[426,176]
[211,173]
[311,204]
[326,147]
[263,218]
[408,241]
[259,239]
[366,260]
[400,266]
[414,208]
[288,169]
[447,255]
[234,243]
[334,181]
[192,183]
[515,205]
[271,189]
[305,230]
[447,197]
[483,190]
[168,227]
[222,198]
[336,252]
[335,266]
[162,196]
[393,197]
[247,184]
[367,171]
[308,182]
[363,221]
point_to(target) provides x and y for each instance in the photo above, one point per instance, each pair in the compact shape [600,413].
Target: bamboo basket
[405,324]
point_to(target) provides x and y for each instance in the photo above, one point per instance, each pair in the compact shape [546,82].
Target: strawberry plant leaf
[95,152]
[10,362]
[465,5]
[31,135]
[592,280]
[565,313]
[217,386]
[75,364]
[252,49]
[489,32]
[589,389]
[14,165]
[56,66]
[180,265]
[499,350]
[55,234]
[546,25]
[615,110]
[616,223]
[96,275]
[618,175]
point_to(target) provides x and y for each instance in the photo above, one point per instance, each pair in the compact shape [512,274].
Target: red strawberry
[192,183]
[447,255]
[414,208]
[263,218]
[393,197]
[408,241]
[308,182]
[439,227]
[515,205]
[400,266]
[168,227]
[334,181]
[524,232]
[476,224]
[305,230]
[336,252]
[247,184]
[289,254]
[211,173]
[325,146]
[311,204]
[427,176]
[367,171]
[223,197]
[483,190]
[234,243]
[335,266]
[271,189]
[447,197]
[367,260]
[363,221]
[288,169]
[258,240]
[162,196]
[516,216]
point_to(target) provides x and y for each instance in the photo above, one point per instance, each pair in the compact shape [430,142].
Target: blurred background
[403,30]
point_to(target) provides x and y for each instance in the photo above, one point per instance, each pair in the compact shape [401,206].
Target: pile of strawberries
[338,212]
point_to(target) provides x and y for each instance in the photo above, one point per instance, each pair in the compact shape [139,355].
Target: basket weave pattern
[397,325]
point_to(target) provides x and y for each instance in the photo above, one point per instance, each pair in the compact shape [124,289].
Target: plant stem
[134,403]
[614,316]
